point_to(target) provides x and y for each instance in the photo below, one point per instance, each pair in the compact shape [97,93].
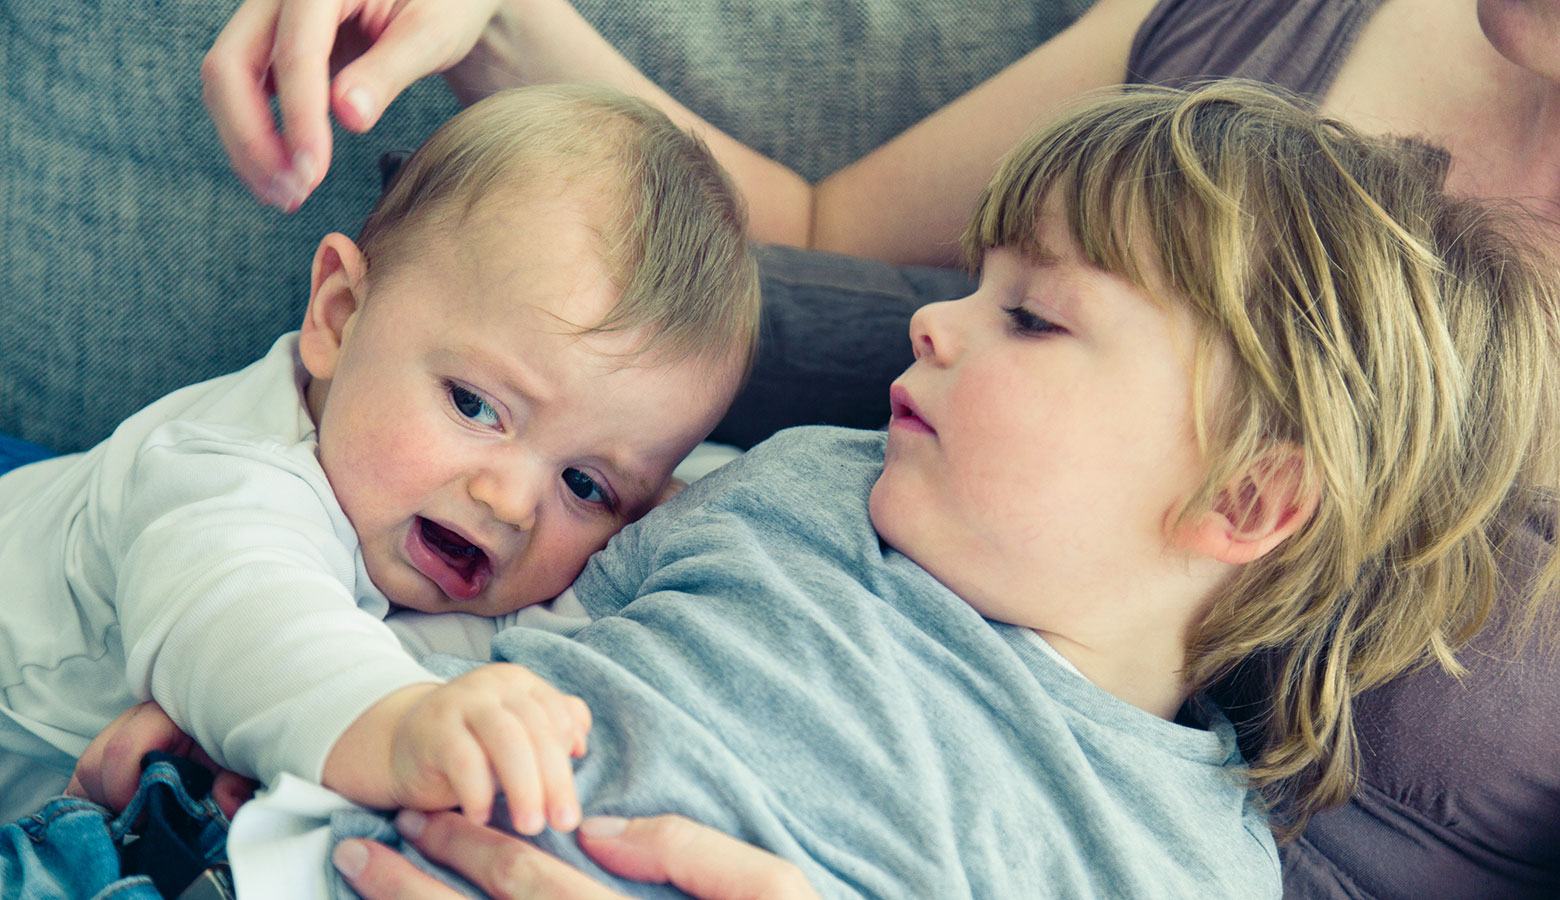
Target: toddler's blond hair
[1400,338]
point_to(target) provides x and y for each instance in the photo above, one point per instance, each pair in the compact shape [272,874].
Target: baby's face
[1042,440]
[481,449]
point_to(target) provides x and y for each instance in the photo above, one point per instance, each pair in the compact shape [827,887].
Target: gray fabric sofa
[133,262]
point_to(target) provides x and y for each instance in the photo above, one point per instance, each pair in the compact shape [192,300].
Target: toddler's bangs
[1134,191]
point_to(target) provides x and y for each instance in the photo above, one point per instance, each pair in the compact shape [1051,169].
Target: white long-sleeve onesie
[197,557]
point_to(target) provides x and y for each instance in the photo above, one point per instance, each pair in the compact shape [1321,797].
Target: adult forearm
[542,41]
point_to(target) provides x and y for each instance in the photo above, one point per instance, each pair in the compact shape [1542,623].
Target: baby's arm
[498,727]
[236,600]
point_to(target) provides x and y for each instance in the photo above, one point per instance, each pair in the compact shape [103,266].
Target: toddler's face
[1042,440]
[481,449]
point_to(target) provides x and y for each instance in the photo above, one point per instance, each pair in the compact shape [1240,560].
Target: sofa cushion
[132,262]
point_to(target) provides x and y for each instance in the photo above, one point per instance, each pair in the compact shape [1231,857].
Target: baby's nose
[511,495]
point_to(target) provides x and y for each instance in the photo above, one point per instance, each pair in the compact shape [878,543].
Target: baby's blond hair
[671,229]
[1401,339]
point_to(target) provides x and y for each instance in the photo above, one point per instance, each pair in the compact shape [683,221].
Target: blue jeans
[17,452]
[73,849]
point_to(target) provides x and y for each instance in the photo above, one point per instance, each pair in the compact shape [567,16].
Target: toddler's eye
[1022,321]
[472,406]
[585,487]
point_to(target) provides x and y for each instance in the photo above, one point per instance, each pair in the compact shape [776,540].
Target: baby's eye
[585,487]
[1022,321]
[471,405]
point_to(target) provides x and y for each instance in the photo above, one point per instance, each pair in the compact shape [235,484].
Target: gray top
[758,660]
[1295,44]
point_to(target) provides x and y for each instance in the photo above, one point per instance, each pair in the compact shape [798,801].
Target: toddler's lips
[460,568]
[903,412]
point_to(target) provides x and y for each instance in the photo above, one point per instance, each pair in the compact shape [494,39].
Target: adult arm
[905,202]
[698,860]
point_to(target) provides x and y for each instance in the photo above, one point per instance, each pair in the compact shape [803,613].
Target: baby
[549,308]
[1241,391]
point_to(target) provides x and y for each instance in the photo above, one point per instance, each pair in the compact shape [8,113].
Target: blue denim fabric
[63,852]
[71,849]
[17,452]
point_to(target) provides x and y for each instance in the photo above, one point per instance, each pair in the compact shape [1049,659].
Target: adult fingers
[697,859]
[300,67]
[420,40]
[231,790]
[379,873]
[504,867]
[228,788]
[109,770]
[233,78]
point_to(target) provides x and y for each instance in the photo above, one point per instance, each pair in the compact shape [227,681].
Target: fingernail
[303,172]
[303,168]
[531,823]
[359,101]
[350,857]
[603,826]
[277,191]
[410,823]
[282,191]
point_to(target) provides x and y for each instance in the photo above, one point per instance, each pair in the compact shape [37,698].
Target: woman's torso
[1418,68]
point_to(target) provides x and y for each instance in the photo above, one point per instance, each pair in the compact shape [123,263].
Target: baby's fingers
[552,756]
[571,717]
[566,715]
[533,768]
[471,780]
[514,762]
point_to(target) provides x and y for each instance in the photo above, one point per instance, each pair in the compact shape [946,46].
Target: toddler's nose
[931,333]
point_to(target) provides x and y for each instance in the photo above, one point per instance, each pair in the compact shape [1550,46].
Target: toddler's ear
[335,293]
[1258,510]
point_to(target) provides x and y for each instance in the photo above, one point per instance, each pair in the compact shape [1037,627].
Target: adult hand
[349,58]
[109,771]
[696,859]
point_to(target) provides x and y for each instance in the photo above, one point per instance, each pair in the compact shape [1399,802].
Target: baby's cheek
[568,555]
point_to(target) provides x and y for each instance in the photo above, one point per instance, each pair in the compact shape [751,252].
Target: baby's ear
[1256,512]
[336,288]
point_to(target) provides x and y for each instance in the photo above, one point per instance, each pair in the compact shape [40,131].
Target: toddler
[1240,391]
[548,309]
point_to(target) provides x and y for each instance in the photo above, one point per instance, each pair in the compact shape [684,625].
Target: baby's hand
[499,722]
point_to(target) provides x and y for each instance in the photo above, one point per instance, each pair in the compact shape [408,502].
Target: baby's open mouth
[459,567]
